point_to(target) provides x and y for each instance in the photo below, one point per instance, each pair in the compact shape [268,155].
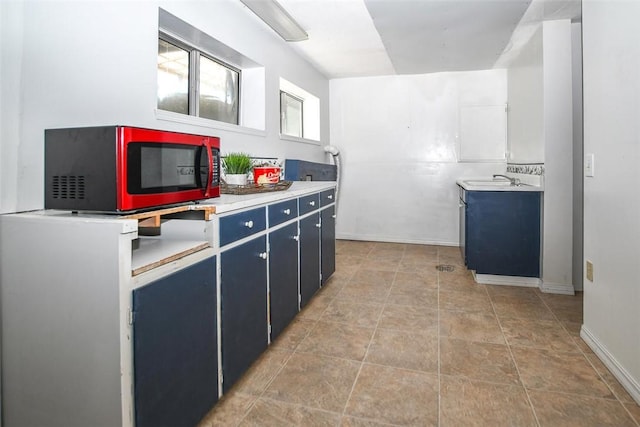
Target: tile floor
[390,340]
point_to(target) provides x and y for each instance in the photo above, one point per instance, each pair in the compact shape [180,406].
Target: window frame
[193,94]
[284,94]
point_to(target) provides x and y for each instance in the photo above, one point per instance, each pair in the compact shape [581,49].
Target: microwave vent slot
[68,187]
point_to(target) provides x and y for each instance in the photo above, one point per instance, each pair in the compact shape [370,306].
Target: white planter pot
[236,179]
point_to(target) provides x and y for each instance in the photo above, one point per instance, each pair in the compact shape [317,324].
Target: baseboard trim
[493,279]
[390,239]
[557,288]
[625,378]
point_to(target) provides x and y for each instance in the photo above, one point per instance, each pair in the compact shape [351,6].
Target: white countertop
[488,184]
[229,202]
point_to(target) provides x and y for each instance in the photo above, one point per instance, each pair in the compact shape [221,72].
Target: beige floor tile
[463,301]
[229,410]
[404,349]
[460,283]
[353,247]
[409,318]
[480,327]
[262,371]
[508,293]
[413,295]
[395,396]
[386,265]
[573,328]
[449,251]
[431,250]
[477,361]
[419,279]
[521,309]
[562,372]
[337,340]
[364,275]
[608,378]
[389,246]
[314,309]
[567,410]
[361,422]
[345,261]
[417,266]
[546,334]
[364,292]
[394,255]
[332,288]
[293,335]
[634,410]
[314,381]
[473,403]
[353,313]
[268,412]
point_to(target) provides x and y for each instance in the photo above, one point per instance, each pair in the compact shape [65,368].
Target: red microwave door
[158,168]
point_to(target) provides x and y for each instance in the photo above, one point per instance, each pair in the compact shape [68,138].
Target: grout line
[515,363]
[375,330]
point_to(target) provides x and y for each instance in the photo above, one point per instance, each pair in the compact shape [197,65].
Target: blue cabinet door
[328,247]
[175,347]
[503,232]
[309,257]
[243,294]
[283,277]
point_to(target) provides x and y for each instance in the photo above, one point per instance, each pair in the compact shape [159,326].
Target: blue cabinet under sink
[501,232]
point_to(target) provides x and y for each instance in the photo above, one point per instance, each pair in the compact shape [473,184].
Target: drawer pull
[248,224]
[333,216]
[318,225]
[330,197]
[263,255]
[287,211]
[312,203]
[296,238]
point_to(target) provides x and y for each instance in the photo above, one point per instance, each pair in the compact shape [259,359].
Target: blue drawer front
[240,225]
[309,203]
[327,197]
[283,211]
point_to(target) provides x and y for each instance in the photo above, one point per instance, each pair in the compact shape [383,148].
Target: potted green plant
[236,166]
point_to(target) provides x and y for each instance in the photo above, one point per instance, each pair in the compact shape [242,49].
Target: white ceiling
[353,38]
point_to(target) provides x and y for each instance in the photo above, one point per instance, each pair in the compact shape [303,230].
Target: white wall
[94,63]
[526,103]
[557,245]
[398,139]
[576,70]
[541,122]
[611,208]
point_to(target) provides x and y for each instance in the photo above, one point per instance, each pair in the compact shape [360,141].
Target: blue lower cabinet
[309,257]
[243,294]
[502,232]
[175,347]
[283,277]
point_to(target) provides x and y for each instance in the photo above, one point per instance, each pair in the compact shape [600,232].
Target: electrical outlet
[590,271]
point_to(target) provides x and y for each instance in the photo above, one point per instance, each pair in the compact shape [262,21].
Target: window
[191,82]
[299,113]
[290,115]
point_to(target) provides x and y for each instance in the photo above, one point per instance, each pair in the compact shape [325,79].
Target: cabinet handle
[330,197]
[318,225]
[287,211]
[333,216]
[312,203]
[263,255]
[248,224]
[296,238]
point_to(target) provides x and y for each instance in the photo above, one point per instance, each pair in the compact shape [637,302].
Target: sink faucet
[514,181]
